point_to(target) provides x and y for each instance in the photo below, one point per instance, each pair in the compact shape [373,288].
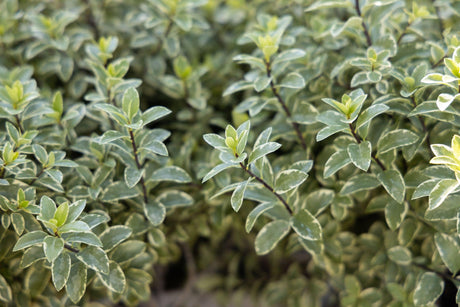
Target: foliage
[138,136]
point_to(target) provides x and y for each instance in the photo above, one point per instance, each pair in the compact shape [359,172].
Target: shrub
[132,130]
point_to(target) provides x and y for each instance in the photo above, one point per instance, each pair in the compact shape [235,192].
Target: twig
[441,60]
[91,20]
[366,31]
[70,248]
[139,166]
[284,106]
[404,32]
[18,122]
[266,185]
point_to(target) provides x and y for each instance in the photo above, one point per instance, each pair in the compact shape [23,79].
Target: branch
[366,31]
[139,166]
[70,248]
[284,106]
[404,32]
[266,185]
[18,122]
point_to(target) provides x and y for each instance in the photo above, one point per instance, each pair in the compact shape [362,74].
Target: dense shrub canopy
[300,153]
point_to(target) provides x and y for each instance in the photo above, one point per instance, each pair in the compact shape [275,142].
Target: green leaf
[60,270]
[18,222]
[288,180]
[132,176]
[238,194]
[155,147]
[40,153]
[393,183]
[361,182]
[29,239]
[128,250]
[77,226]
[360,154]
[130,102]
[397,291]
[110,136]
[237,86]
[175,198]
[433,79]
[32,255]
[155,212]
[76,284]
[336,162]
[115,280]
[216,170]
[306,225]
[270,235]
[88,238]
[61,213]
[262,83]
[449,250]
[263,150]
[113,111]
[53,247]
[255,213]
[5,291]
[429,288]
[323,4]
[395,213]
[371,112]
[154,114]
[95,258]
[396,139]
[400,254]
[215,140]
[75,209]
[445,100]
[440,192]
[293,80]
[318,200]
[425,188]
[171,173]
[118,190]
[47,208]
[114,235]
[289,55]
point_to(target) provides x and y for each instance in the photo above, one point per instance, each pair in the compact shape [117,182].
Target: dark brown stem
[366,31]
[266,185]
[167,31]
[358,140]
[2,172]
[441,60]
[403,33]
[70,248]
[138,164]
[91,20]
[422,122]
[280,99]
[18,123]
